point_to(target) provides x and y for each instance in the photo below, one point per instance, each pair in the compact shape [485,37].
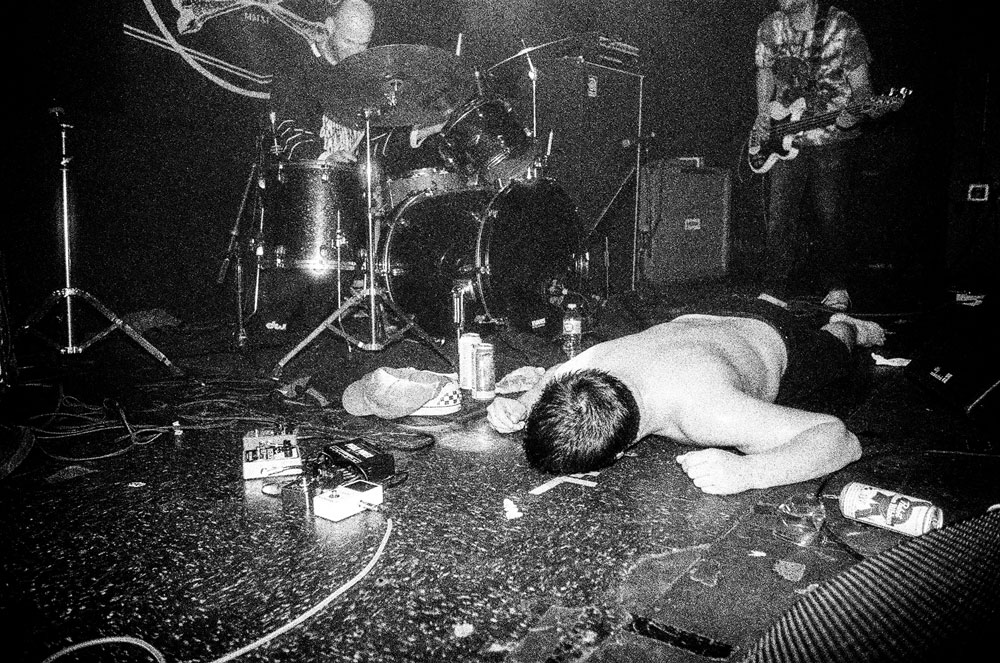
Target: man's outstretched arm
[774,446]
[507,415]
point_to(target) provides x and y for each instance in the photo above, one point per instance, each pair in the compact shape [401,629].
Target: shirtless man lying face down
[713,381]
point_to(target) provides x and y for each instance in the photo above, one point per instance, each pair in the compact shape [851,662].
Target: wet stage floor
[122,524]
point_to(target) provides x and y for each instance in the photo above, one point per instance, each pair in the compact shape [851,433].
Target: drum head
[530,243]
[431,241]
[516,247]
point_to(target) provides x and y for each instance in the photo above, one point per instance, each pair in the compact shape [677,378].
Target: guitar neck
[821,120]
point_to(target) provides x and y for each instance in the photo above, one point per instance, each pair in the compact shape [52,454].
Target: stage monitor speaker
[594,114]
[960,366]
[685,212]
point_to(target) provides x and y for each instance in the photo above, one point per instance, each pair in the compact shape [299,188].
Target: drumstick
[458,46]
[548,150]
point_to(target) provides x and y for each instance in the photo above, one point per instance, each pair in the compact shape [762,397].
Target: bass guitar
[787,123]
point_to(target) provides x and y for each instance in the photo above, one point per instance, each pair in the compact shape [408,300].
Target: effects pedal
[348,500]
[270,453]
[354,459]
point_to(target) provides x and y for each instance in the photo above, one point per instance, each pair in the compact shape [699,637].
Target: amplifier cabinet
[685,213]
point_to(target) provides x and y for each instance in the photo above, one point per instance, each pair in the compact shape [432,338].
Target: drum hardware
[233,253]
[400,85]
[67,293]
[533,77]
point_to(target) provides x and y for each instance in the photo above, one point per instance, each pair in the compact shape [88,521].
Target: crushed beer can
[889,510]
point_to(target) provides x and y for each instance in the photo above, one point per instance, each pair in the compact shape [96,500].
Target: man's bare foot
[869,333]
[837,299]
[716,471]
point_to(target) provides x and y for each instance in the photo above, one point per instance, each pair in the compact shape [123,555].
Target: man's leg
[787,189]
[830,186]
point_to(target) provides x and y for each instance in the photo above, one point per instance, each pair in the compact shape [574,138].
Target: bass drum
[517,248]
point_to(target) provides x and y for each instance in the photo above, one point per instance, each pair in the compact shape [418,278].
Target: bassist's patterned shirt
[813,64]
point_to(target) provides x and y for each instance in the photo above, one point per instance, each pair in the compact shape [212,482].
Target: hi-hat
[397,85]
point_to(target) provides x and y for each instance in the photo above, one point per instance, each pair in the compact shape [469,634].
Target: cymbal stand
[533,75]
[233,253]
[378,338]
[69,292]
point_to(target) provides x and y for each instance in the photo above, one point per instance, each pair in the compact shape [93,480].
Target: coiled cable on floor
[256,643]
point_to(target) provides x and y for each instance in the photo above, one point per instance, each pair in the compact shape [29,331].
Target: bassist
[809,52]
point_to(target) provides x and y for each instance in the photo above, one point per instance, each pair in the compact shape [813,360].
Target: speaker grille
[686,213]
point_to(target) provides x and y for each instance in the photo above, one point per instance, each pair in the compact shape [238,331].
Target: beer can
[889,510]
[485,385]
[467,359]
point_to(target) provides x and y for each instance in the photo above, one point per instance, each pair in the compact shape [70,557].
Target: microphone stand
[233,250]
[67,293]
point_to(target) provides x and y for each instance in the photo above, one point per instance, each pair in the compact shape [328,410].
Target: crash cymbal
[570,44]
[397,85]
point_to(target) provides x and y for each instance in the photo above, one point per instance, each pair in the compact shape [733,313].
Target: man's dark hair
[581,421]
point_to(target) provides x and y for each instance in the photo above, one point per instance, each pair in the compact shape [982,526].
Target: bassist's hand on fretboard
[847,120]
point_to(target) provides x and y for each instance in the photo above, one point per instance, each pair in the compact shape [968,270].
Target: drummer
[302,130]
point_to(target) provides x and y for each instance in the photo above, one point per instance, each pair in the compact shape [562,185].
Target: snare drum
[410,170]
[517,247]
[485,138]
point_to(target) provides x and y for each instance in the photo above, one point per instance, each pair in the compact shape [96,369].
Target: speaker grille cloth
[933,595]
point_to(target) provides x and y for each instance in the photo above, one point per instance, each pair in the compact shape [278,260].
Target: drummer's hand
[338,156]
[506,415]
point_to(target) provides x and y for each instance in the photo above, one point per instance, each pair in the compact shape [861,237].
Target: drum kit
[462,230]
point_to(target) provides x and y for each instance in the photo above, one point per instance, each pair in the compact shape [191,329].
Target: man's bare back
[711,381]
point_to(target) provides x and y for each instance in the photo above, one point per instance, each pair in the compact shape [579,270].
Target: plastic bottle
[572,331]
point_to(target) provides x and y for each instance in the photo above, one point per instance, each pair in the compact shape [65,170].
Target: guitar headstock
[883,103]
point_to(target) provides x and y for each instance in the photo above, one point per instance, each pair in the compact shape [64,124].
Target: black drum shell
[486,139]
[305,203]
[517,247]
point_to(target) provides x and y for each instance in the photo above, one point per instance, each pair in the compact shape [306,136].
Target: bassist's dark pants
[809,202]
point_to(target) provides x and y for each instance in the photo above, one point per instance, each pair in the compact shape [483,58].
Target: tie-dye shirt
[813,64]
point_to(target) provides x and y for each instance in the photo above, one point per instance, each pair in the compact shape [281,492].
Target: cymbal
[572,40]
[397,85]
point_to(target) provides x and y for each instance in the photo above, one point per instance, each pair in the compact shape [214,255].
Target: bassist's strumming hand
[762,126]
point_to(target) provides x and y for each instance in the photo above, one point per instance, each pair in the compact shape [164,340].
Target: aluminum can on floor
[485,387]
[889,510]
[467,359]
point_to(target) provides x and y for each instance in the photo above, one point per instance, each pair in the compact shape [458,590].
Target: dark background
[161,155]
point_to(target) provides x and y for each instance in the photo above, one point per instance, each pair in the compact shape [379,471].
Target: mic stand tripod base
[361,299]
[116,324]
